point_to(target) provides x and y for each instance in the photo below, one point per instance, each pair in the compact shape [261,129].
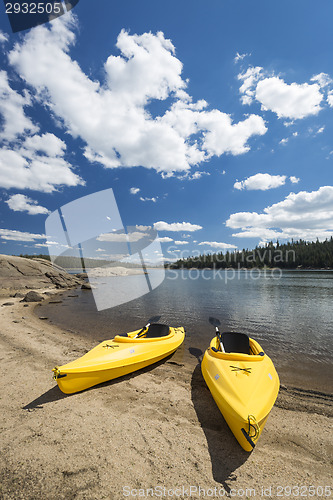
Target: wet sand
[156,428]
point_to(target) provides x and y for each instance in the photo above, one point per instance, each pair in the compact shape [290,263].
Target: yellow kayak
[243,383]
[117,357]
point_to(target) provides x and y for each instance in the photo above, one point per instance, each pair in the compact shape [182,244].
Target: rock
[33,297]
[17,273]
[86,286]
[81,275]
[8,304]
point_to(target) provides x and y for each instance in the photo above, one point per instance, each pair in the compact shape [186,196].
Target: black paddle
[216,322]
[154,319]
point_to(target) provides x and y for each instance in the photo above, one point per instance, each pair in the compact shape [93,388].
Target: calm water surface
[289,314]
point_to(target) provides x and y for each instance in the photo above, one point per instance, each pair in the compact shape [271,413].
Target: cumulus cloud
[13,235]
[122,237]
[29,160]
[112,117]
[250,79]
[306,215]
[21,203]
[36,163]
[323,79]
[261,182]
[180,242]
[292,101]
[294,180]
[134,190]
[176,226]
[218,244]
[164,239]
[12,104]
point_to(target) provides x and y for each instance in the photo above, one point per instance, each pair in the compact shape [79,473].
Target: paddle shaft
[219,336]
[141,331]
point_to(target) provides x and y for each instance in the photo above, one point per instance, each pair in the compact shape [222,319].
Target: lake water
[289,313]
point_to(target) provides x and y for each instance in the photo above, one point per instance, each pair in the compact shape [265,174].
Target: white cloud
[294,101]
[239,57]
[294,180]
[153,199]
[112,118]
[250,79]
[306,215]
[29,160]
[122,237]
[323,79]
[142,228]
[3,37]
[13,235]
[330,98]
[38,163]
[179,242]
[192,177]
[164,239]
[12,104]
[176,226]
[222,136]
[134,190]
[284,141]
[21,203]
[261,182]
[217,244]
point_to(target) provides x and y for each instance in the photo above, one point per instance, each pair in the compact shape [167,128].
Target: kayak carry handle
[57,374]
[247,437]
[256,427]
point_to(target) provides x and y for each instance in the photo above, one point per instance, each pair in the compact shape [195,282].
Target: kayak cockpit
[237,347]
[155,331]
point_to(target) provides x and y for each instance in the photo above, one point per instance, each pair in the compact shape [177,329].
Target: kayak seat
[157,330]
[236,342]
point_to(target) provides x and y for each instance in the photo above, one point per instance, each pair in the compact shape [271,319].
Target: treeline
[40,256]
[291,255]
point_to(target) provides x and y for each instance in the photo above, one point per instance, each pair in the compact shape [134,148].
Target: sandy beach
[158,428]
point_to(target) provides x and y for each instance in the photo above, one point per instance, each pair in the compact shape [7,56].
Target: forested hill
[292,255]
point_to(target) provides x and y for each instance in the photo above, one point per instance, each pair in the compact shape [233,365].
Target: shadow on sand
[55,393]
[225,452]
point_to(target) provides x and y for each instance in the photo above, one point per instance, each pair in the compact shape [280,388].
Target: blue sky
[211,122]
